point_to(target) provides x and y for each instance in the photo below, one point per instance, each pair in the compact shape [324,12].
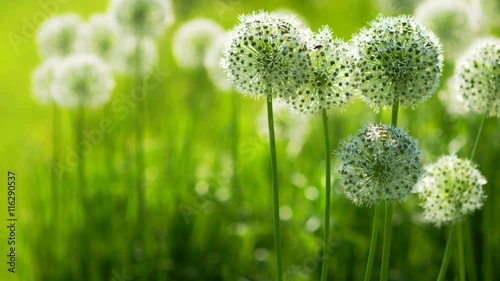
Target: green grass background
[226,233]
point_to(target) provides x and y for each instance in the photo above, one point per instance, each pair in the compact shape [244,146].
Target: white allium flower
[397,59]
[57,36]
[329,82]
[452,22]
[396,7]
[216,72]
[477,77]
[266,54]
[379,163]
[127,57]
[100,36]
[42,80]
[82,80]
[142,18]
[450,189]
[192,40]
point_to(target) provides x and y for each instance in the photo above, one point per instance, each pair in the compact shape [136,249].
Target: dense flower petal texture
[42,81]
[57,36]
[477,77]
[142,18]
[451,20]
[267,54]
[329,81]
[192,40]
[82,80]
[450,189]
[397,60]
[379,163]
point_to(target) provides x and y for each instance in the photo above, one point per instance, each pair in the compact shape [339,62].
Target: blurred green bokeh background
[201,224]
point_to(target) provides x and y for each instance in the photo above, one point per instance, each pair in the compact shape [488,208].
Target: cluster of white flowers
[121,41]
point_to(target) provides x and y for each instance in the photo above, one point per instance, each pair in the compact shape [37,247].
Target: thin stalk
[276,204]
[386,250]
[461,263]
[447,255]
[79,126]
[235,102]
[373,243]
[139,131]
[476,141]
[55,157]
[328,187]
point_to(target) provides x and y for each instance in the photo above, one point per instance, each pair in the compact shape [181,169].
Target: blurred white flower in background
[129,57]
[41,81]
[216,72]
[57,36]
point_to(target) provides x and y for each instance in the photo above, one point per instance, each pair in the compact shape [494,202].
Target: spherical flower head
[82,80]
[142,18]
[266,54]
[57,36]
[42,80]
[213,55]
[379,163]
[329,82]
[451,20]
[450,189]
[478,77]
[192,40]
[397,59]
[130,59]
[100,36]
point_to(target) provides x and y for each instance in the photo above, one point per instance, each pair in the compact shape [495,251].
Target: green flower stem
[324,269]
[56,126]
[79,126]
[373,243]
[139,131]
[386,250]
[447,255]
[276,205]
[461,263]
[476,141]
[235,101]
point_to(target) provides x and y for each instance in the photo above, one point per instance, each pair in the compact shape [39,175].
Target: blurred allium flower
[397,60]
[451,20]
[100,37]
[329,81]
[126,58]
[478,77]
[192,40]
[379,163]
[450,189]
[452,100]
[397,7]
[491,8]
[82,80]
[142,18]
[212,63]
[57,36]
[267,54]
[42,80]
[289,127]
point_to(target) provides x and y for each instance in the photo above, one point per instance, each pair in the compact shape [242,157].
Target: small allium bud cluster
[57,36]
[478,77]
[451,20]
[267,54]
[192,40]
[42,81]
[142,18]
[450,189]
[379,163]
[397,60]
[329,82]
[82,80]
